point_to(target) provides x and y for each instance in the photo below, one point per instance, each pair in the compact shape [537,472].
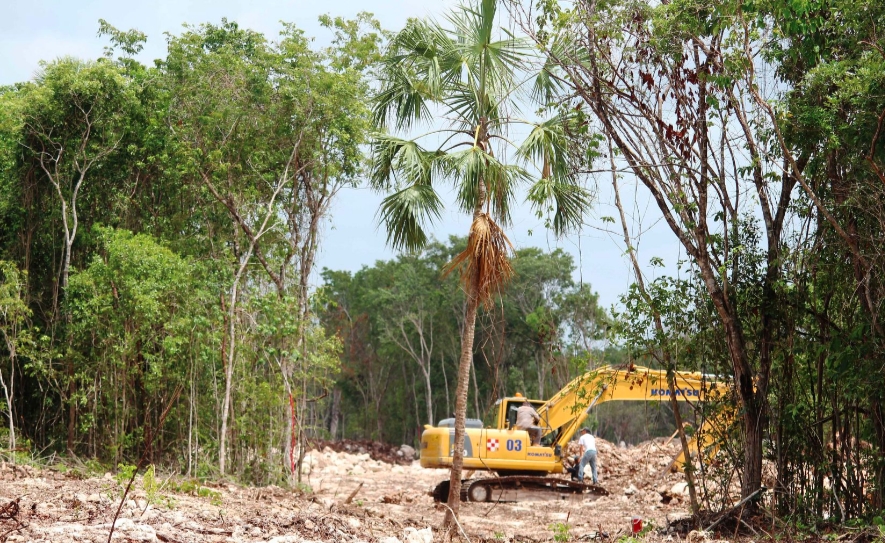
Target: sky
[42,30]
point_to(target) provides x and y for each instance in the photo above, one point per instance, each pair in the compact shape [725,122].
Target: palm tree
[468,82]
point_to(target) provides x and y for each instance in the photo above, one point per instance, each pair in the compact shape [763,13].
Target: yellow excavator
[523,470]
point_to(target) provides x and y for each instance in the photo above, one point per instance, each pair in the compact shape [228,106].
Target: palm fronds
[405,214]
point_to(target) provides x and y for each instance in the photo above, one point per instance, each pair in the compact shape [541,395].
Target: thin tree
[469,78]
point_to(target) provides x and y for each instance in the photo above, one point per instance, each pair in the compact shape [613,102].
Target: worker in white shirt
[588,454]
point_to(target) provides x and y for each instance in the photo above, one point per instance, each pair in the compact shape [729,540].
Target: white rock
[143,532]
[141,502]
[124,525]
[354,523]
[424,535]
[80,497]
[679,489]
[130,504]
[406,452]
[150,514]
[389,539]
[94,498]
[630,490]
[357,470]
[255,531]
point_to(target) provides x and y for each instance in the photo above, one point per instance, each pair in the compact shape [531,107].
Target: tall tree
[666,83]
[73,117]
[272,150]
[468,79]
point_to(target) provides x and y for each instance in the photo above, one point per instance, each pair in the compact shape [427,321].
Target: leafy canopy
[470,79]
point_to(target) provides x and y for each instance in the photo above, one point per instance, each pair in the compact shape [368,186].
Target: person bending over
[588,454]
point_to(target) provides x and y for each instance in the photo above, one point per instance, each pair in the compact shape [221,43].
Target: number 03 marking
[514,445]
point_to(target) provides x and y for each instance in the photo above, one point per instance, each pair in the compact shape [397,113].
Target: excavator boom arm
[564,413]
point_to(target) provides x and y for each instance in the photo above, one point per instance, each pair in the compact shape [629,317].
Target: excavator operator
[527,419]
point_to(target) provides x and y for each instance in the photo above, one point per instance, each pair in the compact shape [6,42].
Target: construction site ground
[360,492]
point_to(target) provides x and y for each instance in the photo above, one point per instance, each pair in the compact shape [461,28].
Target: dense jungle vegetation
[159,228]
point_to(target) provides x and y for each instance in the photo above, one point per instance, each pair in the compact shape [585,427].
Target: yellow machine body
[505,450]
[493,449]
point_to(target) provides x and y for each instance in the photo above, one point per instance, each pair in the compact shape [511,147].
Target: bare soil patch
[354,496]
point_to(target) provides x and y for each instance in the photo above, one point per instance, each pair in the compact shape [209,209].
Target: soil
[358,492]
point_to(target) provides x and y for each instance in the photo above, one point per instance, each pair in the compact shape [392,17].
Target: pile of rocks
[404,454]
[329,462]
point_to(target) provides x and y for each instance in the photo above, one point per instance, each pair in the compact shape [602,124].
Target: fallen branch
[740,504]
[147,448]
[455,517]
[352,494]
[10,510]
[5,535]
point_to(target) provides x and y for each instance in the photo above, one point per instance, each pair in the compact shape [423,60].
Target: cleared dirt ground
[387,500]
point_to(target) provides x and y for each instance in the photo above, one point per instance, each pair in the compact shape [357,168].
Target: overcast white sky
[46,29]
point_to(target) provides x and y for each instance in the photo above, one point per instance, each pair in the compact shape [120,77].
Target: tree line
[161,226]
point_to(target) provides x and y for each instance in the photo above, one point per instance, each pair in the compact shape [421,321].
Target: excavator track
[515,488]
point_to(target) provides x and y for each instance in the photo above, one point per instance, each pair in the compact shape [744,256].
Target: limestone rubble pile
[350,496]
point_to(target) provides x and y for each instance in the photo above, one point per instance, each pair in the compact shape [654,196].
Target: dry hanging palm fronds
[486,258]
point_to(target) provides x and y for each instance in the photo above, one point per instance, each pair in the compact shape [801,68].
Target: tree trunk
[9,393]
[478,413]
[878,416]
[229,369]
[336,413]
[442,362]
[454,500]
[428,399]
[69,364]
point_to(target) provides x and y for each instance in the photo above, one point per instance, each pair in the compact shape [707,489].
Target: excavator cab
[507,408]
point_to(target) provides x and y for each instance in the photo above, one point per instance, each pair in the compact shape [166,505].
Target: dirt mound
[376,450]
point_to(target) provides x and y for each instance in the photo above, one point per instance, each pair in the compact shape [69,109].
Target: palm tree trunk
[454,500]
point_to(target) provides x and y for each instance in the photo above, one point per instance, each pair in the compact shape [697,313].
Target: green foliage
[124,474]
[194,488]
[101,354]
[150,485]
[561,532]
